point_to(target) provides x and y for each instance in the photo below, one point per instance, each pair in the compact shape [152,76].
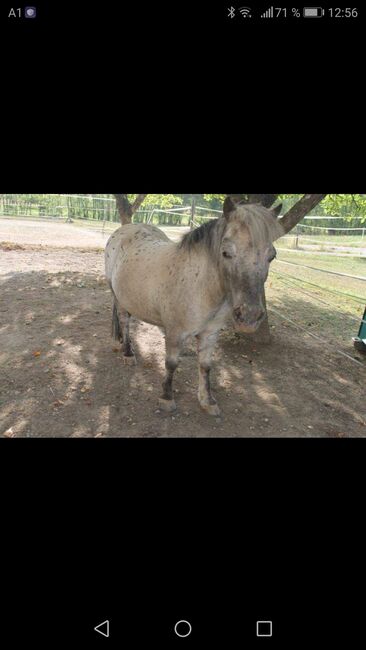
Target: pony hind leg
[206,345]
[128,351]
[166,401]
[121,332]
[116,325]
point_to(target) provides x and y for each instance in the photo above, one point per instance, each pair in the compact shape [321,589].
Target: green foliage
[348,206]
[214,197]
[163,201]
[352,207]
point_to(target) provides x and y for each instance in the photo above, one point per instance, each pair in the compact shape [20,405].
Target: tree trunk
[263,334]
[193,212]
[126,210]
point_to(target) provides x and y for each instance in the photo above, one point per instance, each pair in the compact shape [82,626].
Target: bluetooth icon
[231,12]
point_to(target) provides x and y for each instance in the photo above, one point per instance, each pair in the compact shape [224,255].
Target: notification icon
[30,12]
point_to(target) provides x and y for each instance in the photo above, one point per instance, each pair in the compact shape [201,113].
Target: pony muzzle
[248,320]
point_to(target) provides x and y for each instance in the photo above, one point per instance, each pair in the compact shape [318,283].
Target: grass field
[327,305]
[351,265]
[323,241]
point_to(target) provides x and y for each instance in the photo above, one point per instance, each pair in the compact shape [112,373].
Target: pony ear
[229,206]
[277,210]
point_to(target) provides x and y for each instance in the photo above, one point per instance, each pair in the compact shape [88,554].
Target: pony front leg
[166,402]
[206,345]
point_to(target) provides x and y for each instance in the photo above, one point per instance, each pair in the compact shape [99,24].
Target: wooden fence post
[193,211]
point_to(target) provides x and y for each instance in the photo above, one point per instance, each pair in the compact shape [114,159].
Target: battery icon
[313,12]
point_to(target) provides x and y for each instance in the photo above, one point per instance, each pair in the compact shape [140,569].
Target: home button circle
[183,629]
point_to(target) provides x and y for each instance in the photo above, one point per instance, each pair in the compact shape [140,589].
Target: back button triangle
[103,628]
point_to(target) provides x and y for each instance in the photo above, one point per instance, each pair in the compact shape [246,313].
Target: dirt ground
[63,376]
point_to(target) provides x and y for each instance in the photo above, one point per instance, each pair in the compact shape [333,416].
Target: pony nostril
[254,316]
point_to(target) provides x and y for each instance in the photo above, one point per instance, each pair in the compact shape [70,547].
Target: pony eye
[272,256]
[226,254]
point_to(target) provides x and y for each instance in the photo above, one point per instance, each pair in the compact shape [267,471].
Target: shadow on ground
[63,376]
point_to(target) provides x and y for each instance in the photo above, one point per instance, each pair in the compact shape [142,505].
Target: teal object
[360,340]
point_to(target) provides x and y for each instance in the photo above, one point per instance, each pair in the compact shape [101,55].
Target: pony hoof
[211,409]
[167,405]
[129,361]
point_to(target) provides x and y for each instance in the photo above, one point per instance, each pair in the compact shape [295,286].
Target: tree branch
[264,199]
[138,201]
[267,200]
[300,210]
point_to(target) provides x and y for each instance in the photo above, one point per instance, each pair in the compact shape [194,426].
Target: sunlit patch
[100,425]
[3,328]
[262,387]
[70,362]
[66,320]
[13,424]
[229,375]
[342,380]
[271,399]
[150,348]
[80,431]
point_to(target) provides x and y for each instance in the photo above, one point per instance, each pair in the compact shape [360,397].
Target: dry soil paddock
[61,374]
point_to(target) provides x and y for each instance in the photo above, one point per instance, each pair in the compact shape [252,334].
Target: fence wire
[315,268]
[358,299]
[315,336]
[324,302]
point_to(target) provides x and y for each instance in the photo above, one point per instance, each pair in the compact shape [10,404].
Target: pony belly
[140,309]
[138,302]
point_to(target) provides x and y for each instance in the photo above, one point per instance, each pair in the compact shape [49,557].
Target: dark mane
[262,226]
[207,235]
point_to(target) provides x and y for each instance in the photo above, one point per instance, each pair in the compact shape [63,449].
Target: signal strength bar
[268,13]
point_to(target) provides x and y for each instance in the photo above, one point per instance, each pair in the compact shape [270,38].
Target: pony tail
[116,325]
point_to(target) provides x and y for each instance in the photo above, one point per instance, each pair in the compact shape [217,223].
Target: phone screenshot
[182,370]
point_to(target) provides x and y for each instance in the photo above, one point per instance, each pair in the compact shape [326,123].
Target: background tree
[128,204]
[302,206]
[126,207]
